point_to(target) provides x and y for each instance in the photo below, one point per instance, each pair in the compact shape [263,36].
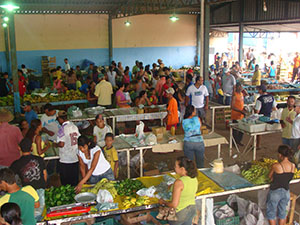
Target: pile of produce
[128,187]
[132,201]
[62,195]
[7,100]
[104,184]
[68,96]
[259,171]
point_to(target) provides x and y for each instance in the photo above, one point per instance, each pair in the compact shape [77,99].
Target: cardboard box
[159,130]
[137,217]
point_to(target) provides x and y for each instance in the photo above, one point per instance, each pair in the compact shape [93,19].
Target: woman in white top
[92,163]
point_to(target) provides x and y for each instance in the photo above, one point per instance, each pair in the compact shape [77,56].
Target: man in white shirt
[111,74]
[68,149]
[295,138]
[199,97]
[67,65]
[100,130]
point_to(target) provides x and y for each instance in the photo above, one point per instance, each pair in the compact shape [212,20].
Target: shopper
[172,117]
[26,197]
[38,145]
[11,214]
[237,111]
[295,136]
[121,101]
[91,157]
[279,195]
[24,127]
[165,87]
[228,86]
[111,76]
[272,70]
[296,67]
[111,154]
[193,145]
[104,91]
[67,143]
[91,97]
[30,168]
[199,97]
[67,65]
[288,112]
[256,78]
[10,137]
[30,114]
[100,130]
[49,123]
[71,80]
[184,192]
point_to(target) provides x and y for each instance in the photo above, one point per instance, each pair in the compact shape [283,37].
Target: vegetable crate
[137,218]
[222,115]
[235,220]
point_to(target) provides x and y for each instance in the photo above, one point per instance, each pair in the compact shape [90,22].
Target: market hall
[149,112]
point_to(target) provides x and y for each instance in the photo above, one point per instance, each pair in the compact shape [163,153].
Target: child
[100,130]
[111,154]
[153,97]
[78,82]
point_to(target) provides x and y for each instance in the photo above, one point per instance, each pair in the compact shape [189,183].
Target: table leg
[219,151]
[128,163]
[161,121]
[114,125]
[213,120]
[230,142]
[141,162]
[203,212]
[254,147]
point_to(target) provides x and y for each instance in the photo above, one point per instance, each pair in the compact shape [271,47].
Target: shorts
[201,113]
[277,202]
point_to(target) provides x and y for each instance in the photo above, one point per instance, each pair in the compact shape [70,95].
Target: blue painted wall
[171,56]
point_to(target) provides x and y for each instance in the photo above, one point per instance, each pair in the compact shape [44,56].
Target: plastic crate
[252,128]
[235,220]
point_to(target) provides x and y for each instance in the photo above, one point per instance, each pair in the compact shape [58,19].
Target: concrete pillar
[7,53]
[241,43]
[198,42]
[14,64]
[206,41]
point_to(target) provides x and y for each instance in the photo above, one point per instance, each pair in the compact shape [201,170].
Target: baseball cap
[170,91]
[190,71]
[26,103]
[62,113]
[226,70]
[262,87]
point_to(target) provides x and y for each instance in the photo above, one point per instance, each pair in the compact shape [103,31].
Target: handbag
[166,213]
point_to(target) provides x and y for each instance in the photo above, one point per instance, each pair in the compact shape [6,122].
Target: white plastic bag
[276,114]
[262,198]
[104,196]
[147,192]
[242,204]
[151,139]
[139,131]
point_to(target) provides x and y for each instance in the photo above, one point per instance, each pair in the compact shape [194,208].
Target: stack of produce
[259,171]
[68,96]
[7,101]
[104,184]
[62,195]
[132,201]
[128,187]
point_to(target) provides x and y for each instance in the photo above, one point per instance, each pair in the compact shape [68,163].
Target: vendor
[193,146]
[142,99]
[121,101]
[100,130]
[92,163]
[237,111]
[183,192]
[172,117]
[288,113]
[279,195]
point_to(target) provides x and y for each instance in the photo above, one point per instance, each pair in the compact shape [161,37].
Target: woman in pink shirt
[56,83]
[120,98]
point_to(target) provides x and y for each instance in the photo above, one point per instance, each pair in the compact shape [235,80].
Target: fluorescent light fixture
[173,18]
[9,7]
[5,19]
[4,24]
[127,23]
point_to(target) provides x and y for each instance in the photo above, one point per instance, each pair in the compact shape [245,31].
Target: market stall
[147,191]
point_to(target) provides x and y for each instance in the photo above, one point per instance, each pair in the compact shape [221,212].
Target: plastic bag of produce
[147,192]
[104,196]
[39,211]
[151,139]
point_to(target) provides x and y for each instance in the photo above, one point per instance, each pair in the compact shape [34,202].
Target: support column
[7,55]
[202,37]
[241,43]
[14,64]
[110,44]
[241,32]
[198,42]
[206,41]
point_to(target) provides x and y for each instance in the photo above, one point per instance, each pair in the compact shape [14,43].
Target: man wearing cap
[265,104]
[172,117]
[67,143]
[30,114]
[290,113]
[103,91]
[199,97]
[10,137]
[228,85]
